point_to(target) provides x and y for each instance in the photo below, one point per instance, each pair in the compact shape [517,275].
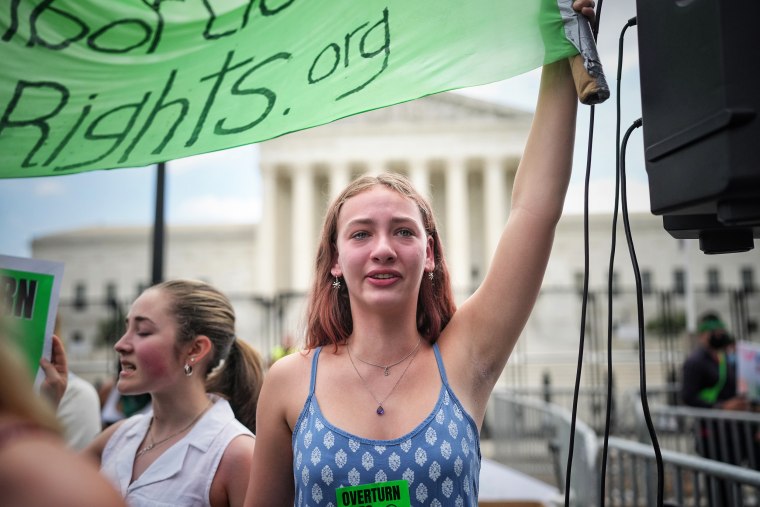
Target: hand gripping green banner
[93,84]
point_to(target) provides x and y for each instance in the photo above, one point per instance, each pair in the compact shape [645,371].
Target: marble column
[339,176]
[267,230]
[457,229]
[494,205]
[375,167]
[302,228]
[419,175]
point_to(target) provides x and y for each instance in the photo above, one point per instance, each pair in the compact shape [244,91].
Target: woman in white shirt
[194,448]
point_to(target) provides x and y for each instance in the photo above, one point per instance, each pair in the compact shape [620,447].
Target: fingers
[583,4]
[51,372]
[58,356]
[56,372]
[586,7]
[54,385]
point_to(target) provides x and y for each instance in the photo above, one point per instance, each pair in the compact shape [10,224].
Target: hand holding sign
[56,373]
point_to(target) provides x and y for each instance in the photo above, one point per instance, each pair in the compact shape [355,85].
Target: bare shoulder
[231,479]
[291,371]
[239,452]
[286,385]
[296,360]
[236,460]
[44,472]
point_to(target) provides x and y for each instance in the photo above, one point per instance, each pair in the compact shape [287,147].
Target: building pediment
[448,106]
[433,115]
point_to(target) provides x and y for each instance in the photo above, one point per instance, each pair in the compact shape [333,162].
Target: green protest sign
[89,84]
[28,304]
[383,494]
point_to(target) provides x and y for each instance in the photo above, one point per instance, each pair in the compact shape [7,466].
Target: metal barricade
[727,436]
[688,480]
[533,436]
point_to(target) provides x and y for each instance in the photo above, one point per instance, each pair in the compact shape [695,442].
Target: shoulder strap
[441,368]
[314,361]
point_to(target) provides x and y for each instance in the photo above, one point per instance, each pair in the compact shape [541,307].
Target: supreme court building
[463,153]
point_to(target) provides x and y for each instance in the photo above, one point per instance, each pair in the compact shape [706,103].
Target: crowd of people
[389,388]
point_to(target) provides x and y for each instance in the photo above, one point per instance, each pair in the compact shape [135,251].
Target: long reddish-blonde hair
[329,319]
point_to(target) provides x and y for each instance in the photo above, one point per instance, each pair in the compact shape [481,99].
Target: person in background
[79,412]
[37,468]
[195,446]
[79,408]
[709,376]
[392,387]
[709,382]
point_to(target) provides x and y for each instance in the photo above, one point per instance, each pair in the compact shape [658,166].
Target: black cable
[603,477]
[584,302]
[640,312]
[597,18]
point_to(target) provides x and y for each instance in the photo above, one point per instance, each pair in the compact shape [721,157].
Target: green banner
[93,84]
[29,291]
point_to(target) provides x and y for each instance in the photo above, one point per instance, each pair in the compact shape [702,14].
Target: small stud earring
[336,283]
[431,276]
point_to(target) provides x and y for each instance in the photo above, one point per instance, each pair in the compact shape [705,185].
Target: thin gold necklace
[154,444]
[387,369]
[380,410]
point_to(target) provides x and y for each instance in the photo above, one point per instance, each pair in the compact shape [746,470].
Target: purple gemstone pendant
[380,410]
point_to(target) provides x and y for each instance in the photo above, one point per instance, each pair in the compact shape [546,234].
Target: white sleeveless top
[182,475]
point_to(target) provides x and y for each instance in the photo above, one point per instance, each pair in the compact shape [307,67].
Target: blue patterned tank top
[439,459]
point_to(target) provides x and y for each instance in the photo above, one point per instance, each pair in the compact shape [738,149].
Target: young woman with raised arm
[391,390]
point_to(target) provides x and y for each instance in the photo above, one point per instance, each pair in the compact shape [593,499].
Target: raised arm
[544,171]
[484,330]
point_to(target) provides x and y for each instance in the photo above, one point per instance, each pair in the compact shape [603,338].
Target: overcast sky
[224,187]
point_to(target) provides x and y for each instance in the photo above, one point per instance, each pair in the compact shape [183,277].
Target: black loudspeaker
[700,95]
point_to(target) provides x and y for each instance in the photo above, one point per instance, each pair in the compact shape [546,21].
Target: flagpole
[157,272]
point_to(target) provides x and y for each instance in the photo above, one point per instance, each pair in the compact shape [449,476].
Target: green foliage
[667,324]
